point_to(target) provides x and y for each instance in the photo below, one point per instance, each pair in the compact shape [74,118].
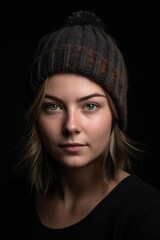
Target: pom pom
[84,17]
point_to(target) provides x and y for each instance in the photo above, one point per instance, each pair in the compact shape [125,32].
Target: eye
[91,106]
[51,107]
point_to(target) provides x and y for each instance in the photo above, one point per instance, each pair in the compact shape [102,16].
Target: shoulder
[141,205]
[135,192]
[134,207]
[138,188]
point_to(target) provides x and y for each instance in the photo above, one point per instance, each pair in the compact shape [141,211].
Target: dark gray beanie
[84,47]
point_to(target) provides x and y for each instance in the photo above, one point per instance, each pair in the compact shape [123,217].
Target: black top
[131,211]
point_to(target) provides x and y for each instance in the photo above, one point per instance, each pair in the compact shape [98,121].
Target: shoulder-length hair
[41,170]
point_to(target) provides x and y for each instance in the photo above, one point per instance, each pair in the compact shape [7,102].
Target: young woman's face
[75,120]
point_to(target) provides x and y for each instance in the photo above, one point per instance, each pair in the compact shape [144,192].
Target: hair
[35,159]
[81,47]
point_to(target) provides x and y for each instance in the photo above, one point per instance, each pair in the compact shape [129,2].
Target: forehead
[64,83]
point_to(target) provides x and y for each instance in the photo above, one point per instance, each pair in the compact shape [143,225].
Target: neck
[78,182]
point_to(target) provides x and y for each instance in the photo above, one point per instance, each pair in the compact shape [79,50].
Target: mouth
[72,147]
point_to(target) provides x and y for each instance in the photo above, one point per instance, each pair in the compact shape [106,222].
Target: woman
[75,151]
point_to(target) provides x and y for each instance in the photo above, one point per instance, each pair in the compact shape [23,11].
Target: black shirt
[131,211]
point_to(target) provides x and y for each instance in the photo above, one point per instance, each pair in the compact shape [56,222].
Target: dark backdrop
[135,28]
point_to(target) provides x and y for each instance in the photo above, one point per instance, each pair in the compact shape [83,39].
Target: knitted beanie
[83,47]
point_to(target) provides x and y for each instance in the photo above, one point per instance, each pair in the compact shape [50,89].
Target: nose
[71,124]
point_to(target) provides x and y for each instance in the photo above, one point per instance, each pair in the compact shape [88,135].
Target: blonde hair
[36,161]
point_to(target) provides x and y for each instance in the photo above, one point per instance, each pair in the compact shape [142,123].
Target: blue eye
[91,106]
[51,107]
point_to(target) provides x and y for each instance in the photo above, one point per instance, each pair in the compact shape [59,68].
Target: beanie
[82,46]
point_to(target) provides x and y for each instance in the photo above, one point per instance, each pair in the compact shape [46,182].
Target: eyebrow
[79,100]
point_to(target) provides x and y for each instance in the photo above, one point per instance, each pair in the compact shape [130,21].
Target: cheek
[101,129]
[47,129]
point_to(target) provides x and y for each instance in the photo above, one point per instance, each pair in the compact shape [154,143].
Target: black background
[134,27]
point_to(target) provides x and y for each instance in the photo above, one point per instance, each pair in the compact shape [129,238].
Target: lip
[72,147]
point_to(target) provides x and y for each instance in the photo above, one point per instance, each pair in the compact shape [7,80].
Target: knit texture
[83,47]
